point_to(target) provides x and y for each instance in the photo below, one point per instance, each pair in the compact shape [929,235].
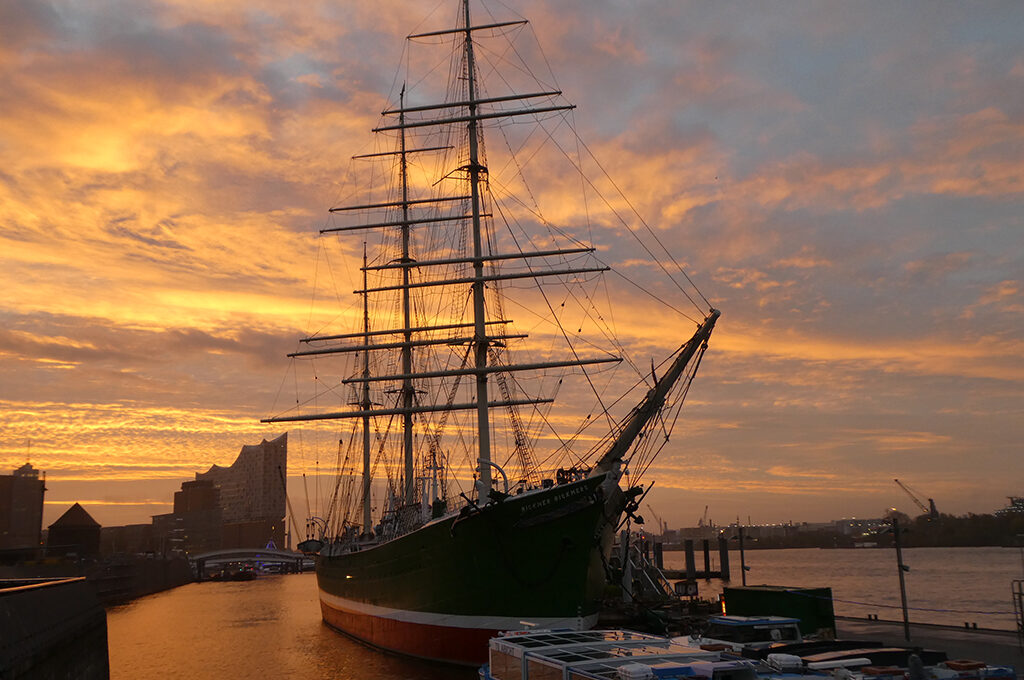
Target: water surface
[944,585]
[269,627]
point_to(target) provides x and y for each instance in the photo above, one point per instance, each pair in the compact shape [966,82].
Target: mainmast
[407,389]
[365,405]
[480,341]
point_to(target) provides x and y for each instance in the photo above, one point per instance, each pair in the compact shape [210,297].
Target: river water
[266,628]
[271,627]
[944,585]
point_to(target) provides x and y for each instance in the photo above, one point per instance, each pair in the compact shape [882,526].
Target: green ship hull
[442,591]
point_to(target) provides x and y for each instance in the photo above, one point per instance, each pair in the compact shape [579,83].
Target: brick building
[74,532]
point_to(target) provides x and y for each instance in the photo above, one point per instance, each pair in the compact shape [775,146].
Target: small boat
[739,633]
[237,573]
[628,655]
[587,654]
[622,655]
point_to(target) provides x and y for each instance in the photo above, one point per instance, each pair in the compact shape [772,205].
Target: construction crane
[929,509]
[703,521]
[662,526]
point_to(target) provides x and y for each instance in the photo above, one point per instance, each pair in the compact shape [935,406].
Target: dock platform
[992,646]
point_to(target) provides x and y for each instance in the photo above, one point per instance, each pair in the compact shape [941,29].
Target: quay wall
[114,580]
[1001,647]
[52,629]
[117,582]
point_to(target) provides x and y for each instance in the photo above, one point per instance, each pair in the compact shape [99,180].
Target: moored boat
[428,570]
[583,655]
[627,655]
[741,633]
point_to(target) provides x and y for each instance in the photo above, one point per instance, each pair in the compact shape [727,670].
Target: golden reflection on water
[269,627]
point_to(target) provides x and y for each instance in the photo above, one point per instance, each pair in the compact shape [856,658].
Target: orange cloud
[161,179]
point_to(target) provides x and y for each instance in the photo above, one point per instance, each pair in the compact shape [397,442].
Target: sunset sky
[845,181]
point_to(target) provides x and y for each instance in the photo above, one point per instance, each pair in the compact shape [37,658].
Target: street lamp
[896,531]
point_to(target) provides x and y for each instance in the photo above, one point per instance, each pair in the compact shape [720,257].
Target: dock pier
[690,573]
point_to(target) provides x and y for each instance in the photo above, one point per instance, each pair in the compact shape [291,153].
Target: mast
[468,111]
[407,390]
[480,342]
[365,406]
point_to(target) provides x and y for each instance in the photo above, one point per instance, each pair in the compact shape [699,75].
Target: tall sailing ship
[405,560]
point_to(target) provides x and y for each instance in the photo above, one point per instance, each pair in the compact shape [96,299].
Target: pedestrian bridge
[291,562]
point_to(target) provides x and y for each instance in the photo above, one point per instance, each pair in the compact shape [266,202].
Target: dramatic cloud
[843,181]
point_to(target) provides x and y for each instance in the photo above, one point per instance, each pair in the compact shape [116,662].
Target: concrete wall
[114,581]
[51,630]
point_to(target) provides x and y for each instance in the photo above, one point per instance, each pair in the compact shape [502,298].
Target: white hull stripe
[458,620]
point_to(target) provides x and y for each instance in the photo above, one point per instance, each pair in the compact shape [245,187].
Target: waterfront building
[197,496]
[757,532]
[195,525]
[74,532]
[858,527]
[21,508]
[252,494]
[696,533]
[168,535]
[240,506]
[131,539]
[807,527]
[1015,507]
[752,531]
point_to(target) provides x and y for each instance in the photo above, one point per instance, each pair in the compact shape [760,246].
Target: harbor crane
[929,509]
[703,520]
[662,525]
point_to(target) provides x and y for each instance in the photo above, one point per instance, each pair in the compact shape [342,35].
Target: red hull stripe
[454,642]
[455,620]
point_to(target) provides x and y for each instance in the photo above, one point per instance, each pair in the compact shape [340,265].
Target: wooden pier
[691,573]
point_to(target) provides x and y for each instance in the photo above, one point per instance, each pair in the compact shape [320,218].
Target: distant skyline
[843,180]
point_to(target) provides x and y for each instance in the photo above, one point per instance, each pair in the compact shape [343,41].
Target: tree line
[944,531]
